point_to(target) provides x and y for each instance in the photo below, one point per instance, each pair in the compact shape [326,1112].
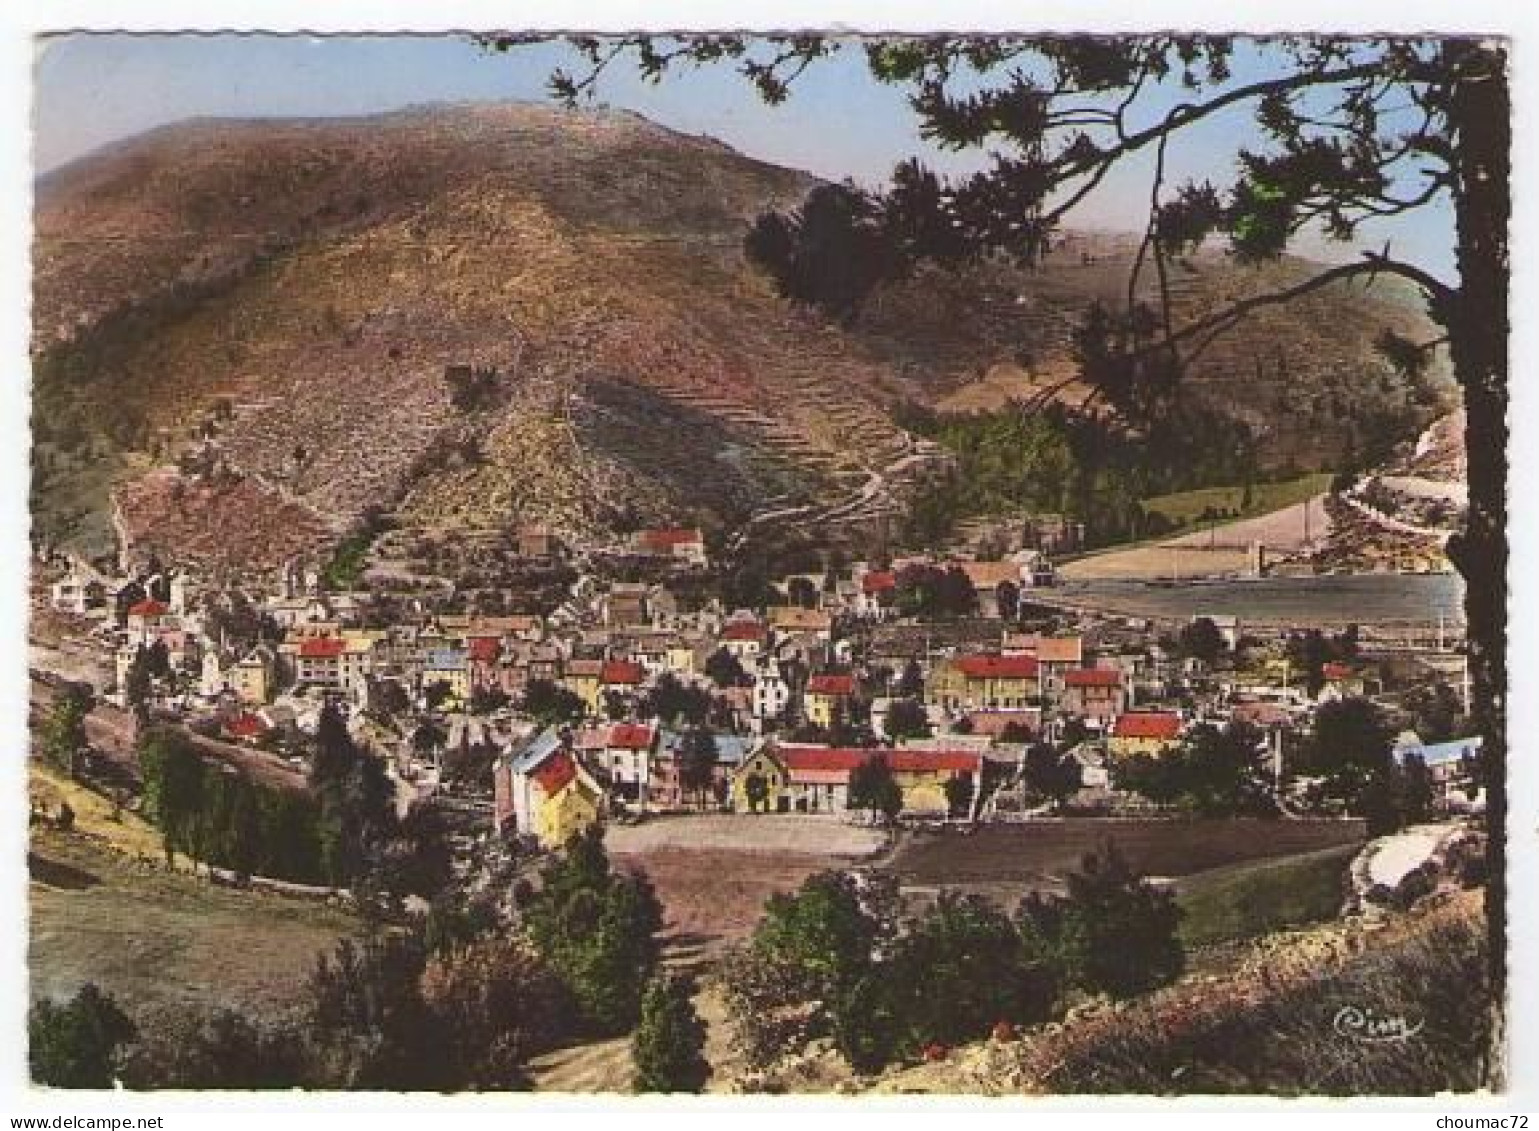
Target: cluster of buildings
[803,692]
[555,783]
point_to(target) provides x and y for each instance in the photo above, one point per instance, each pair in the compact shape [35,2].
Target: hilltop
[249,333]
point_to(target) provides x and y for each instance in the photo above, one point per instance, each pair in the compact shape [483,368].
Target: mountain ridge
[280,302]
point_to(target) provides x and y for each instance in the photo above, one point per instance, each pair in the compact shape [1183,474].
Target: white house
[771,692]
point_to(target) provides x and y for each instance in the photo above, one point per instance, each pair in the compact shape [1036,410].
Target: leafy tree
[874,789]
[77,1044]
[824,930]
[907,718]
[217,1050]
[1217,772]
[1154,776]
[428,738]
[1114,933]
[389,697]
[436,694]
[137,681]
[1007,598]
[828,254]
[496,1004]
[869,1021]
[366,1018]
[1350,749]
[1414,790]
[959,794]
[63,737]
[966,970]
[1309,652]
[130,595]
[697,761]
[1225,772]
[958,598]
[1201,640]
[802,592]
[485,700]
[670,700]
[917,590]
[911,683]
[597,928]
[550,704]
[1436,712]
[756,789]
[1049,775]
[725,670]
[334,754]
[668,1047]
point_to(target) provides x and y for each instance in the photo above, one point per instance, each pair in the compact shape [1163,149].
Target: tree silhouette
[1341,132]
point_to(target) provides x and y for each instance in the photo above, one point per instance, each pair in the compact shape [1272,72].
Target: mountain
[251,335]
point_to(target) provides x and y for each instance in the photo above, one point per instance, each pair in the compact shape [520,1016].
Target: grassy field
[94,814]
[1245,900]
[1045,849]
[158,939]
[1186,507]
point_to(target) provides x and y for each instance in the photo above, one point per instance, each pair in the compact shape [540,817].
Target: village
[931,688]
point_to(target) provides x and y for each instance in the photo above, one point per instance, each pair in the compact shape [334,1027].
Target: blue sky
[839,122]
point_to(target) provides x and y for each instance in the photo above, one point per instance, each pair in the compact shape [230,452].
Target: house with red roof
[878,590]
[685,544]
[1343,681]
[1097,694]
[973,681]
[542,790]
[621,675]
[318,661]
[626,760]
[828,697]
[244,727]
[146,617]
[1144,732]
[744,640]
[816,779]
[489,665]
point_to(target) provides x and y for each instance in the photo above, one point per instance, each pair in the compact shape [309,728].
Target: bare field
[1041,852]
[1142,562]
[158,939]
[714,872]
[769,832]
[1224,549]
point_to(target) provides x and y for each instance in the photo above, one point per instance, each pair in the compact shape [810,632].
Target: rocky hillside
[247,333]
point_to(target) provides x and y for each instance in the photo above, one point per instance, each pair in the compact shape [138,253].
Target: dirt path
[605,1066]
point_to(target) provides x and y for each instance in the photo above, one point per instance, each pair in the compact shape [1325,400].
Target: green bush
[597,928]
[1113,932]
[77,1044]
[667,1049]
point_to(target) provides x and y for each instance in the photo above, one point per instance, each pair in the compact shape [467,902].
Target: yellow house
[584,678]
[251,679]
[543,791]
[448,666]
[922,775]
[825,697]
[1143,732]
[680,659]
[764,769]
[985,681]
[573,809]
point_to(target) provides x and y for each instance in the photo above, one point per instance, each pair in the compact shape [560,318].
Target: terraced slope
[244,332]
[291,294]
